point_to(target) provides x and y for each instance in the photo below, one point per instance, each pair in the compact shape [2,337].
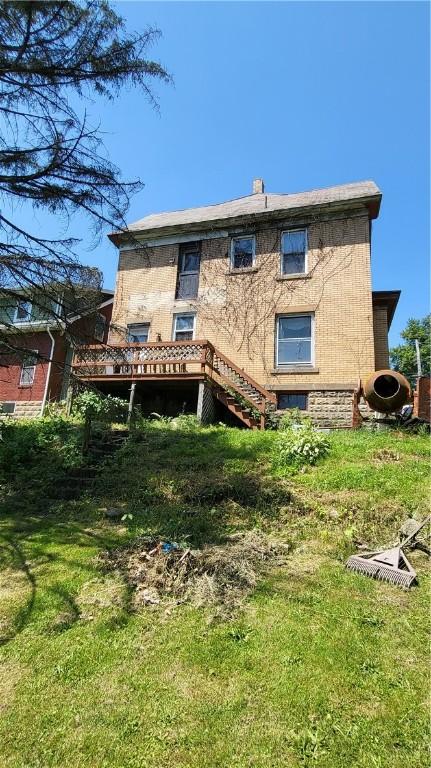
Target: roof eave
[388,299]
[371,202]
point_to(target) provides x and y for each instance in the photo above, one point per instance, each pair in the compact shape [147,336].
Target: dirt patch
[307,559]
[384,456]
[220,576]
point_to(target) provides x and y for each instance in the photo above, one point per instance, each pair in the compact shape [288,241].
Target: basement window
[7,408]
[28,369]
[243,251]
[288,400]
[293,252]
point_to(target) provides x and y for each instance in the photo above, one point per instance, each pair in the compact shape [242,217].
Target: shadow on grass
[196,486]
[19,563]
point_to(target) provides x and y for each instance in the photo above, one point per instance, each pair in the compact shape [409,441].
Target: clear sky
[302,94]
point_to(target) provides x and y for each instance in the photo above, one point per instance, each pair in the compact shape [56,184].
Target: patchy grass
[320,667]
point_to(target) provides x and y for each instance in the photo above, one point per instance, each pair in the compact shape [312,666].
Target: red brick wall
[10,388]
[422,398]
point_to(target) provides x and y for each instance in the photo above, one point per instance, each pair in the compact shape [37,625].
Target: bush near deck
[321,667]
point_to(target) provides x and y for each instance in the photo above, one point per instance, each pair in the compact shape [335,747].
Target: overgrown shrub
[96,406]
[25,444]
[299,445]
[188,422]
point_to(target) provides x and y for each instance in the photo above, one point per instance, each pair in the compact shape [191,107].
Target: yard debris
[220,576]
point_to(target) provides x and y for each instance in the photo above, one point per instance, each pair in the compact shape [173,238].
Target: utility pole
[418,359]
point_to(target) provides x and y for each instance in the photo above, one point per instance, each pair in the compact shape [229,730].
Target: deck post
[205,410]
[131,401]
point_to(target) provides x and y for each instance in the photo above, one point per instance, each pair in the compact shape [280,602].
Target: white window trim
[308,364]
[286,232]
[18,320]
[253,257]
[174,324]
[28,383]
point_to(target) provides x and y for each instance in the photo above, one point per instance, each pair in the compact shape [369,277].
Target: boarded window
[188,271]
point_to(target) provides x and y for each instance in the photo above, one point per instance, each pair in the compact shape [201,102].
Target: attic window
[23,311]
[243,251]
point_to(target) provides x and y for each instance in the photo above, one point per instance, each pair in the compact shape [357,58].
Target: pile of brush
[220,575]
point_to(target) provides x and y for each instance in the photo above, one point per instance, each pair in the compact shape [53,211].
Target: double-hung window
[294,340]
[243,251]
[23,311]
[138,332]
[294,252]
[28,369]
[184,327]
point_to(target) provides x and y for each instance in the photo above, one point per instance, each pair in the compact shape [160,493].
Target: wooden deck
[194,360]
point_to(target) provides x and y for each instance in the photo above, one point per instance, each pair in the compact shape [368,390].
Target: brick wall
[10,374]
[237,311]
[29,399]
[381,346]
[422,398]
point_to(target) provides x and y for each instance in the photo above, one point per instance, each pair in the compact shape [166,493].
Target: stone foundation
[331,409]
[27,409]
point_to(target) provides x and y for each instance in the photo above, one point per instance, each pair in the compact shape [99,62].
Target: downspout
[48,374]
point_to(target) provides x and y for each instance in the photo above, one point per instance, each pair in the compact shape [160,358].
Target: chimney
[258,187]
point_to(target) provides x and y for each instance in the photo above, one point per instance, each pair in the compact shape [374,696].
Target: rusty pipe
[386,391]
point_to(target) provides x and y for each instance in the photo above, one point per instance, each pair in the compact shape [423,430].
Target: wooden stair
[233,387]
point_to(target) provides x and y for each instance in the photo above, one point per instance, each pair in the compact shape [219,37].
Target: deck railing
[169,359]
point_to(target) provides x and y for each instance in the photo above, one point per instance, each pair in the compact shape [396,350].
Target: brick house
[28,382]
[263,302]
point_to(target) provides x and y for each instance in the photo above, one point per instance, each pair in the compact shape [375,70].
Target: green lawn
[321,667]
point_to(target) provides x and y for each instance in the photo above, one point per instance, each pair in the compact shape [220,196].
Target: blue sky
[302,94]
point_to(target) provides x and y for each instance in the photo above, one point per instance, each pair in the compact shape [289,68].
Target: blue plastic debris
[169,546]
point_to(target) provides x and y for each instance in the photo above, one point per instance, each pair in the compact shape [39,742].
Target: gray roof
[260,203]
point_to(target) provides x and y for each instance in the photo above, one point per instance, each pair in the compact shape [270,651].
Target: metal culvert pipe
[386,391]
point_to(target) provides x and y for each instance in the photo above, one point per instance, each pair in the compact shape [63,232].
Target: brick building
[279,284]
[28,382]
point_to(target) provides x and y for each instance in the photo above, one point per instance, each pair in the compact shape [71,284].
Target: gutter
[48,374]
